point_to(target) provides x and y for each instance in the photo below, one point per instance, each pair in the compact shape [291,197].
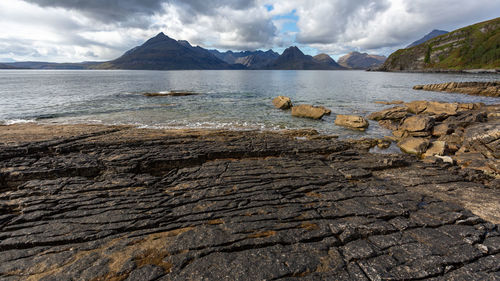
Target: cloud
[76,30]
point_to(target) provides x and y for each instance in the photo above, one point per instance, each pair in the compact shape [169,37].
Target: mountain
[429,36]
[326,60]
[356,60]
[51,65]
[293,59]
[251,60]
[473,47]
[164,53]
[7,66]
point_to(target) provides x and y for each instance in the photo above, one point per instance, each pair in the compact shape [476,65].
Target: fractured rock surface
[118,203]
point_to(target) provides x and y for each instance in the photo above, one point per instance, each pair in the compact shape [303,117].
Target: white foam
[17,121]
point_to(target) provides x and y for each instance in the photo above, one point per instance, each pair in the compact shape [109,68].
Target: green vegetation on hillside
[472,47]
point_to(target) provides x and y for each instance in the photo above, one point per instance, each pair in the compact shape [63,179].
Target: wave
[16,121]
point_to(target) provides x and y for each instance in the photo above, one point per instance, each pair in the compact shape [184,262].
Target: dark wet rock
[135,204]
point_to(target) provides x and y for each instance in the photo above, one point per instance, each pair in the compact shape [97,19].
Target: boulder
[436,148]
[351,121]
[308,111]
[282,102]
[436,108]
[327,110]
[441,130]
[417,123]
[393,113]
[413,145]
[416,107]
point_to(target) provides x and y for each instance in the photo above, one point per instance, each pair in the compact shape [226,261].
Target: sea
[232,99]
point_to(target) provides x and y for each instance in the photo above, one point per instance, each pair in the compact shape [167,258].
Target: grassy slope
[479,48]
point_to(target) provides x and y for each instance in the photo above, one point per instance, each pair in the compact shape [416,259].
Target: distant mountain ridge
[433,34]
[250,59]
[471,47]
[293,58]
[357,60]
[164,53]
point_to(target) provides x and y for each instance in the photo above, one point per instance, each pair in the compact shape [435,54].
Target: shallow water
[227,100]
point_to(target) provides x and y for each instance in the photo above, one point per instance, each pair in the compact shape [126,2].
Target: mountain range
[475,46]
[356,60]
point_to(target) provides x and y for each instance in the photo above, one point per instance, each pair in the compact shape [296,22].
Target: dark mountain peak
[293,50]
[185,43]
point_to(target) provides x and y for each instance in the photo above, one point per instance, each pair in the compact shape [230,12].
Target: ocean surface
[238,100]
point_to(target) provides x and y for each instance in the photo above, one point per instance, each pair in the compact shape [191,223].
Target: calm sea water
[228,99]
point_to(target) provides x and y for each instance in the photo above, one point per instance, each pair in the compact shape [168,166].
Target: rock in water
[414,145]
[282,102]
[352,121]
[308,111]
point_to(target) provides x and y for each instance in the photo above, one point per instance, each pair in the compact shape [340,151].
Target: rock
[282,102]
[436,108]
[436,148]
[393,113]
[489,89]
[417,123]
[454,141]
[327,110]
[171,93]
[389,124]
[484,138]
[441,130]
[390,102]
[120,203]
[445,159]
[308,111]
[416,107]
[414,145]
[351,121]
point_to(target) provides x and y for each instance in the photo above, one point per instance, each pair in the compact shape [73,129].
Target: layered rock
[120,203]
[489,89]
[351,121]
[465,131]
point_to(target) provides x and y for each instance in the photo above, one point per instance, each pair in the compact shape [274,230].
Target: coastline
[103,202]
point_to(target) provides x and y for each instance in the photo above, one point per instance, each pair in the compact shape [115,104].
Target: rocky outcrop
[282,102]
[467,132]
[120,203]
[309,111]
[488,89]
[351,121]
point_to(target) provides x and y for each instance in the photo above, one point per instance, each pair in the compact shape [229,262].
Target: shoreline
[103,202]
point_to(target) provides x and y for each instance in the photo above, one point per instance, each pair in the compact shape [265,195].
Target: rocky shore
[488,89]
[121,203]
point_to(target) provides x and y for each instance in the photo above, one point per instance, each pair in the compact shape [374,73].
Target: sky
[99,30]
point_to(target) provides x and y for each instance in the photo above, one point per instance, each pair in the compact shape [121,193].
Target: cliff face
[473,47]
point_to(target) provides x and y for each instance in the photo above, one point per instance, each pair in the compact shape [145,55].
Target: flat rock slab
[129,204]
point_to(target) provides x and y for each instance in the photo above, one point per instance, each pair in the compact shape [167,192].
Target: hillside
[433,34]
[327,60]
[356,60]
[473,47]
[164,53]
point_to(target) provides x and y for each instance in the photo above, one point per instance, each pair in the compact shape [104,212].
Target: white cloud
[75,30]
